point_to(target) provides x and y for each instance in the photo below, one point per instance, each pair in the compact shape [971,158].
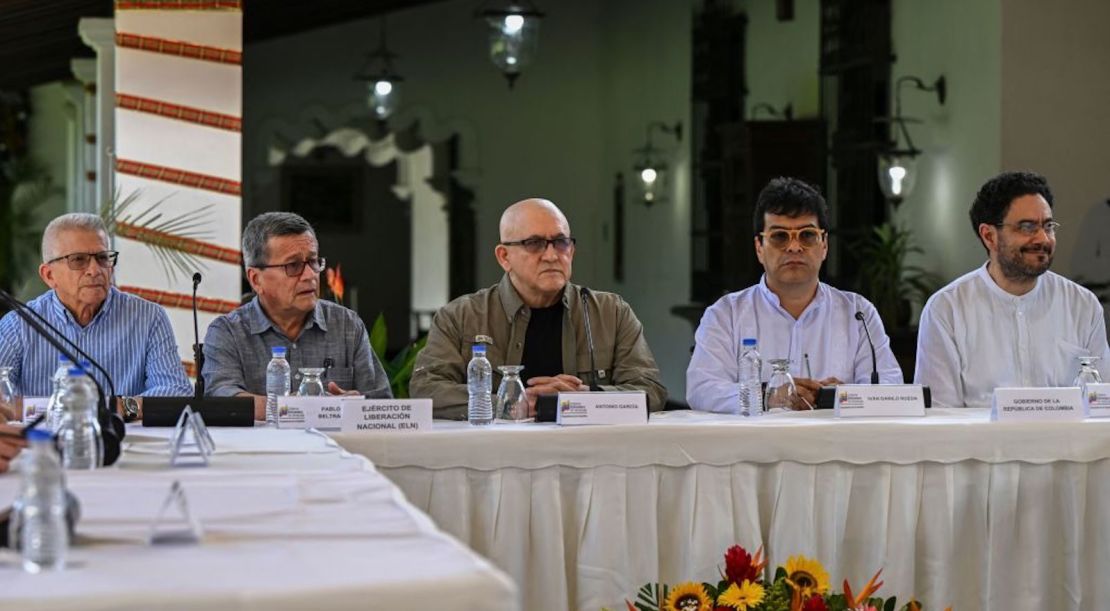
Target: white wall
[783,57]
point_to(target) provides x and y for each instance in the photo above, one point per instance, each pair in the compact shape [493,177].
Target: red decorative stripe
[179,48]
[190,368]
[181,113]
[179,5]
[179,177]
[188,245]
[181,300]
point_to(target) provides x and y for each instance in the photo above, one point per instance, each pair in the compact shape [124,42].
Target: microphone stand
[198,348]
[112,429]
[874,361]
[584,293]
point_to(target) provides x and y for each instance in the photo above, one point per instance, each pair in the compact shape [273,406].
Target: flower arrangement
[801,584]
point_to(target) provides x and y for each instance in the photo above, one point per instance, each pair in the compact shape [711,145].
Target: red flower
[815,603]
[739,565]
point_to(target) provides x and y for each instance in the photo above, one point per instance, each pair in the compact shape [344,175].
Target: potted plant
[892,285]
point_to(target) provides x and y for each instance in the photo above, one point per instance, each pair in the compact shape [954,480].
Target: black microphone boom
[594,375]
[112,429]
[198,348]
[874,361]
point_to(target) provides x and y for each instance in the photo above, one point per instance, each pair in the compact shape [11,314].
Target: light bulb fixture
[382,83]
[898,162]
[650,166]
[787,112]
[513,36]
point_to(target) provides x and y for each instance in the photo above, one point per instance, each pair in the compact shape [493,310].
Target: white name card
[321,413]
[1096,399]
[879,400]
[606,407]
[34,407]
[387,415]
[1037,404]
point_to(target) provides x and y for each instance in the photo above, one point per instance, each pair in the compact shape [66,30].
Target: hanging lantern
[513,37]
[383,94]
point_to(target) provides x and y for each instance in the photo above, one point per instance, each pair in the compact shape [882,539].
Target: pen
[809,372]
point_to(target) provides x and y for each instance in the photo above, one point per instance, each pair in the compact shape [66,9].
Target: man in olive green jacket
[533,317]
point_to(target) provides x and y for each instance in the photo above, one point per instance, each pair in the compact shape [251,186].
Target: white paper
[582,408]
[879,400]
[387,415]
[1037,404]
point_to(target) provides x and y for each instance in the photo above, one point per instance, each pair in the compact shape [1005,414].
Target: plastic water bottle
[79,433]
[39,514]
[751,386]
[479,382]
[54,410]
[277,383]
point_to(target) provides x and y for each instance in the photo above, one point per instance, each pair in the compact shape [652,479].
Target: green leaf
[378,336]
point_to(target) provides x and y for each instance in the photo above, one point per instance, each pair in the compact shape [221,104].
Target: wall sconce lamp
[787,112]
[513,36]
[382,82]
[898,166]
[650,167]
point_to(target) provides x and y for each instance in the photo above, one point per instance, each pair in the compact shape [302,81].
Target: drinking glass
[10,399]
[512,402]
[311,386]
[1087,372]
[781,392]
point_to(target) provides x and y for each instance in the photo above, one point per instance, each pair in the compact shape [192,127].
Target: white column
[83,173]
[100,34]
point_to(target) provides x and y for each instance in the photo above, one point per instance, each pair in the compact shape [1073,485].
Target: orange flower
[871,587]
[335,282]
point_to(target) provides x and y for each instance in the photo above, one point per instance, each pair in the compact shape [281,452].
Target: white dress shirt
[827,331]
[975,337]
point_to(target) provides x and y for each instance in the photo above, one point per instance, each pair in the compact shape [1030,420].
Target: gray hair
[74,221]
[265,226]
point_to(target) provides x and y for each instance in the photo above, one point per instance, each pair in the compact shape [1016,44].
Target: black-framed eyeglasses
[80,260]
[807,237]
[538,245]
[1031,228]
[296,268]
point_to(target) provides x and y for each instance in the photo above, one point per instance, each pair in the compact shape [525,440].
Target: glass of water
[781,392]
[512,402]
[11,403]
[1087,372]
[311,385]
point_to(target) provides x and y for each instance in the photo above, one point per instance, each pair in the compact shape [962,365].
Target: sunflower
[741,597]
[688,596]
[806,576]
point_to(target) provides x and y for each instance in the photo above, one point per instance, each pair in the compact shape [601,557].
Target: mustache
[1038,248]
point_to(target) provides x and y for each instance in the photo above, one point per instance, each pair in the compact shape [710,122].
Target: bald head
[519,219]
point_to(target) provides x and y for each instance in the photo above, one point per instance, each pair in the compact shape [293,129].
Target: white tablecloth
[955,509]
[290,521]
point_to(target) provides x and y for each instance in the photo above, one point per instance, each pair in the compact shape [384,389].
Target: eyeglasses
[538,245]
[1031,228]
[807,237]
[80,260]
[296,268]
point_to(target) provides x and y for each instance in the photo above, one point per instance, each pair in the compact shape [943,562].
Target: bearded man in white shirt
[791,313]
[1011,322]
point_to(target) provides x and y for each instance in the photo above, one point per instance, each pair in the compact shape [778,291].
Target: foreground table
[290,522]
[957,510]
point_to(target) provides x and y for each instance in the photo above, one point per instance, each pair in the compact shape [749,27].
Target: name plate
[1096,400]
[387,415]
[879,400]
[321,413]
[606,407]
[34,407]
[1037,404]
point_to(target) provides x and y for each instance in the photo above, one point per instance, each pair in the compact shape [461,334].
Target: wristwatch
[130,409]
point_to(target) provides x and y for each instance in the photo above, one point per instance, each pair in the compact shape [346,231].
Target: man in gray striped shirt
[129,336]
[283,265]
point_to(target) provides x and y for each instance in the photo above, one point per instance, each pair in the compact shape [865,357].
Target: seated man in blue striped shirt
[283,264]
[129,336]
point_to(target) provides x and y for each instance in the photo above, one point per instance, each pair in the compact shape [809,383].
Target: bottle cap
[277,351]
[479,348]
[76,371]
[748,341]
[37,434]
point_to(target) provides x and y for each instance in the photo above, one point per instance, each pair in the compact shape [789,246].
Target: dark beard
[1014,267]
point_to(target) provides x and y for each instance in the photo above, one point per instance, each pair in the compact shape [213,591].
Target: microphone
[874,361]
[112,429]
[198,348]
[584,293]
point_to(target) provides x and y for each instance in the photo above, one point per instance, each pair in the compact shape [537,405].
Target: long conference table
[955,509]
[290,521]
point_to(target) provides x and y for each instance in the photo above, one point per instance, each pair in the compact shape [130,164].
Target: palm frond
[161,233]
